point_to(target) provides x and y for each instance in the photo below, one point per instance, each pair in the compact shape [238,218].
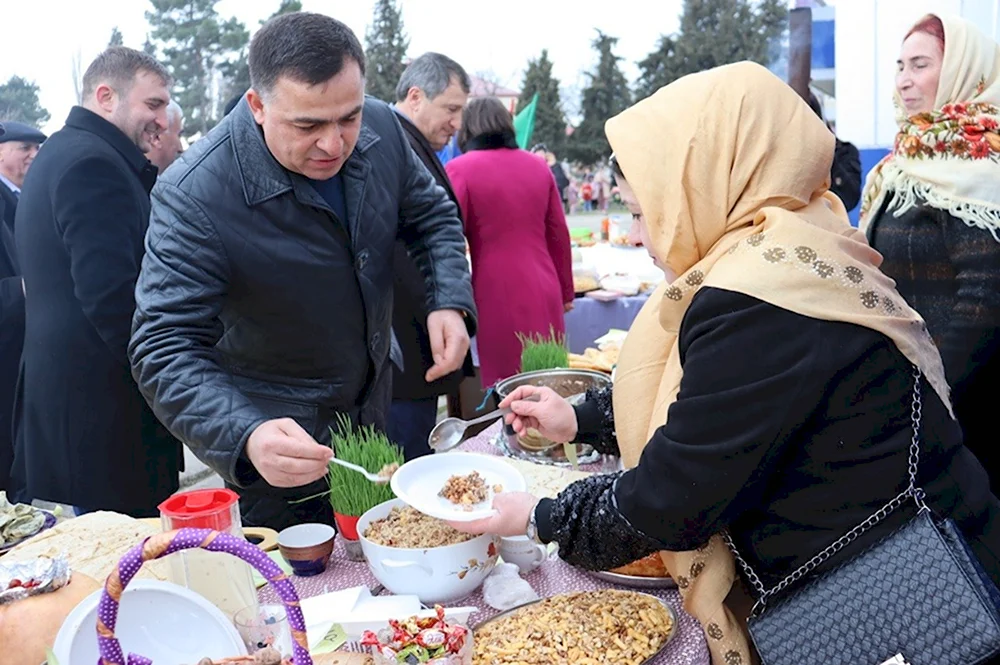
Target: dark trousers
[410,424]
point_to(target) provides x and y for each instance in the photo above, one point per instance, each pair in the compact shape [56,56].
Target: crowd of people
[307,258]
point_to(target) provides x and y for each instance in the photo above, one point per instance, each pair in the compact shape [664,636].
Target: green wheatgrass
[540,352]
[352,494]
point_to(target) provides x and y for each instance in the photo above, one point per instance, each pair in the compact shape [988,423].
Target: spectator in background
[88,439]
[18,146]
[166,146]
[430,97]
[845,175]
[558,173]
[932,209]
[11,299]
[517,236]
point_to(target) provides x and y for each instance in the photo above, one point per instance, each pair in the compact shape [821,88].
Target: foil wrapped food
[21,579]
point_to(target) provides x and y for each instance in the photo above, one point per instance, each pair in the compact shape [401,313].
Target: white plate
[418,483]
[159,620]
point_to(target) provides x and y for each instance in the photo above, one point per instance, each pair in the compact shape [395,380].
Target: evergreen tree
[199,48]
[550,122]
[148,46]
[385,50]
[606,95]
[19,102]
[116,37]
[714,33]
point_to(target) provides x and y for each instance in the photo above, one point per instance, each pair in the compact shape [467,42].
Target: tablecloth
[590,319]
[553,577]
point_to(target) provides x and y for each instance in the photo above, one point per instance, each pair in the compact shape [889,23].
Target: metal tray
[50,521]
[553,456]
[666,642]
[634,581]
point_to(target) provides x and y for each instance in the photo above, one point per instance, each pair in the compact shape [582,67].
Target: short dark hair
[118,66]
[306,47]
[432,73]
[485,115]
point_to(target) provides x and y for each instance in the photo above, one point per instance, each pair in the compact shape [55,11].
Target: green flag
[524,123]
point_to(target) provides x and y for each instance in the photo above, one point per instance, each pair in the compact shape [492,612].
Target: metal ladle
[448,433]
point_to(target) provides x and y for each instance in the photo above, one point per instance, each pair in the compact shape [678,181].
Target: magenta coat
[522,271]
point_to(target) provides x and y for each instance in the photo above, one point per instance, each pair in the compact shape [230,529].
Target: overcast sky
[41,37]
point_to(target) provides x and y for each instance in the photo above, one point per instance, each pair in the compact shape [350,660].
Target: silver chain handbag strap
[912,491]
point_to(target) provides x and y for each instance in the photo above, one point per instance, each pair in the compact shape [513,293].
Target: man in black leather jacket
[265,297]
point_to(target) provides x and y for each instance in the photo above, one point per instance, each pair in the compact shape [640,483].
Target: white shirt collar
[11,186]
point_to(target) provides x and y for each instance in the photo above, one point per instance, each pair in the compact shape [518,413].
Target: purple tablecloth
[590,319]
[688,646]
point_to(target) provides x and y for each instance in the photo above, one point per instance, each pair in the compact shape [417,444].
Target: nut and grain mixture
[407,528]
[595,627]
[465,491]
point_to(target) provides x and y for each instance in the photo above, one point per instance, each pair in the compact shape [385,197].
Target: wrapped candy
[430,638]
[416,640]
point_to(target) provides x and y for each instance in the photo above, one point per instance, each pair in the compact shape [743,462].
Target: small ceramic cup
[526,554]
[307,547]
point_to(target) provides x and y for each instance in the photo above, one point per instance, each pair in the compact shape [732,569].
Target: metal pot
[571,384]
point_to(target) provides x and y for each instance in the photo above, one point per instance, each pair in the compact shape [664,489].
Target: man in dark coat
[264,304]
[88,439]
[18,147]
[430,98]
[19,144]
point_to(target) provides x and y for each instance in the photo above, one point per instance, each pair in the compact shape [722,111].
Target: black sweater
[788,431]
[950,273]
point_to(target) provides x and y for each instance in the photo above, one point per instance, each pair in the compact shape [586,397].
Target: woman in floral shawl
[932,209]
[766,387]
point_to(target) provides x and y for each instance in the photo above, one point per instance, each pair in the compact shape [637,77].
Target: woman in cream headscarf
[932,209]
[766,387]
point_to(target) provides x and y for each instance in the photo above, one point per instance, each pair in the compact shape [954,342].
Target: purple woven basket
[163,544]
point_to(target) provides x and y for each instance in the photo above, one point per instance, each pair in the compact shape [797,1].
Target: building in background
[483,88]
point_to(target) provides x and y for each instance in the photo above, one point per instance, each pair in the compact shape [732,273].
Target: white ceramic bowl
[435,575]
[159,620]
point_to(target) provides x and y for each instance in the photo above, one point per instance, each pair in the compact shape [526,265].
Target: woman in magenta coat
[517,236]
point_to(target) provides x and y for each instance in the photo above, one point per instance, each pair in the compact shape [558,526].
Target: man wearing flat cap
[18,147]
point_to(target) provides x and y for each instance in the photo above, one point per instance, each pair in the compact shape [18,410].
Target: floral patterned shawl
[950,157]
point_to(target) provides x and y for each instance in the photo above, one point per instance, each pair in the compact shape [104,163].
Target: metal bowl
[571,384]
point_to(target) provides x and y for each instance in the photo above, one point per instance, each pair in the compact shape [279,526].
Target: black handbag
[917,597]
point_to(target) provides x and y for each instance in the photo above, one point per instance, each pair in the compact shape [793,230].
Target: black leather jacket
[256,302]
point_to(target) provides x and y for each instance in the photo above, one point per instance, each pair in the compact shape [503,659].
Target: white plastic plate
[159,620]
[419,482]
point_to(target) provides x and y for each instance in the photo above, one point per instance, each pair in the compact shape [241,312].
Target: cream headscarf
[949,158]
[731,170]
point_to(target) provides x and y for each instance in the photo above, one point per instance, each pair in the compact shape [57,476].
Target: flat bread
[93,544]
[546,481]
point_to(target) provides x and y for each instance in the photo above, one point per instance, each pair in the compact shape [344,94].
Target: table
[554,576]
[590,319]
